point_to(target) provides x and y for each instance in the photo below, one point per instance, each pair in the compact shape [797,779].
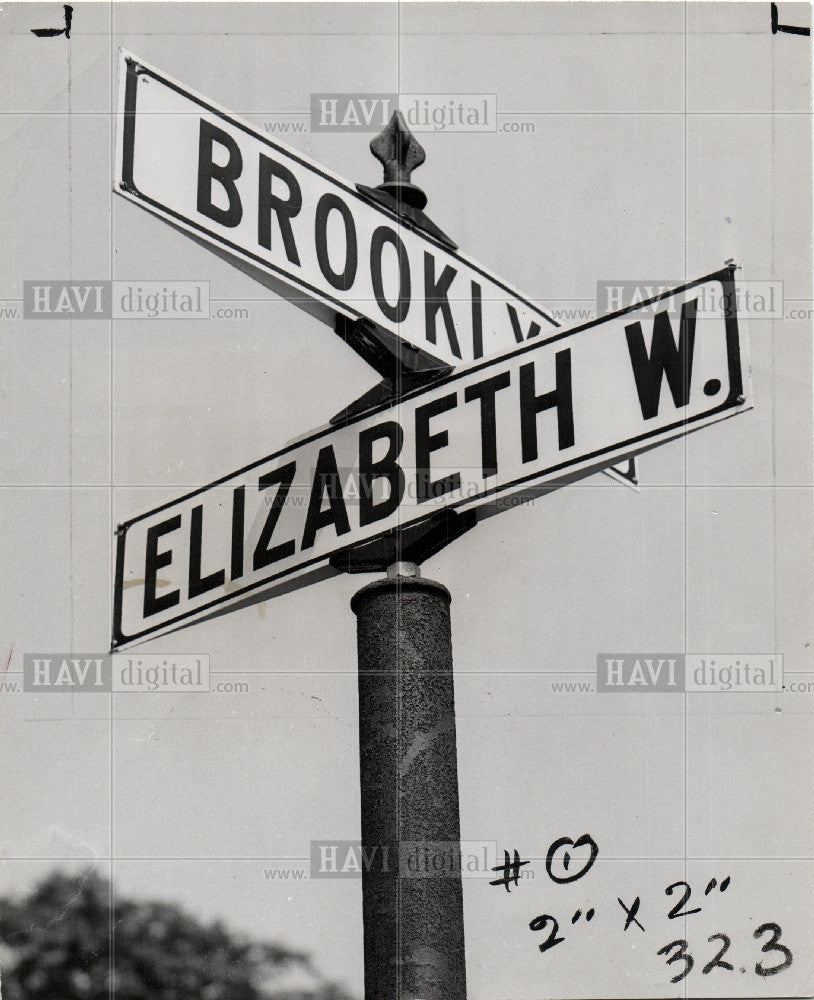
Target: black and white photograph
[406,494]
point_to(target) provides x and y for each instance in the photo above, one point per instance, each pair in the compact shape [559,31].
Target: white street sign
[303,231]
[481,438]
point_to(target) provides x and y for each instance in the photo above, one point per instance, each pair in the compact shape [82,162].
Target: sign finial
[399,152]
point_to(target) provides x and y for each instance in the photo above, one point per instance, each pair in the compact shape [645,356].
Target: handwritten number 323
[681,954]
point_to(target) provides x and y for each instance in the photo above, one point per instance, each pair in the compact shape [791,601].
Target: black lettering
[664,359]
[381,236]
[534,328]
[326,481]
[386,468]
[435,298]
[200,584]
[485,391]
[238,519]
[285,208]
[339,279]
[775,930]
[225,175]
[477,320]
[263,555]
[153,562]
[426,443]
[677,911]
[531,405]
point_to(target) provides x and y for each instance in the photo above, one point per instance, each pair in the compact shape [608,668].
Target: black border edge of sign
[117,637]
[726,278]
[129,126]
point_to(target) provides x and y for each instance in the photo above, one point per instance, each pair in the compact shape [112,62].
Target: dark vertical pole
[413,918]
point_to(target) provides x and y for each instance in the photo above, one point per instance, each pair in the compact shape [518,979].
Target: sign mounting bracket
[385,353]
[629,476]
[409,215]
[401,366]
[415,543]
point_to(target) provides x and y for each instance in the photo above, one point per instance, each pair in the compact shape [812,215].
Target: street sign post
[307,234]
[483,437]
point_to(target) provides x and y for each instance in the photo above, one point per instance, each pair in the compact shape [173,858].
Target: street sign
[482,438]
[303,231]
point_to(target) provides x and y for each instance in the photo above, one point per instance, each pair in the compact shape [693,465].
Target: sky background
[667,138]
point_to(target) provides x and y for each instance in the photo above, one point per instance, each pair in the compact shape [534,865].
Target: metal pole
[413,917]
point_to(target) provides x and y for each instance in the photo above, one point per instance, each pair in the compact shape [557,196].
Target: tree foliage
[72,938]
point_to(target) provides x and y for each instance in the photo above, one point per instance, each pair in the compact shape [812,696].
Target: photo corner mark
[789,29]
[55,32]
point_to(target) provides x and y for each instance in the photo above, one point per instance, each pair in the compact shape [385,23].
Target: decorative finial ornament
[399,152]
